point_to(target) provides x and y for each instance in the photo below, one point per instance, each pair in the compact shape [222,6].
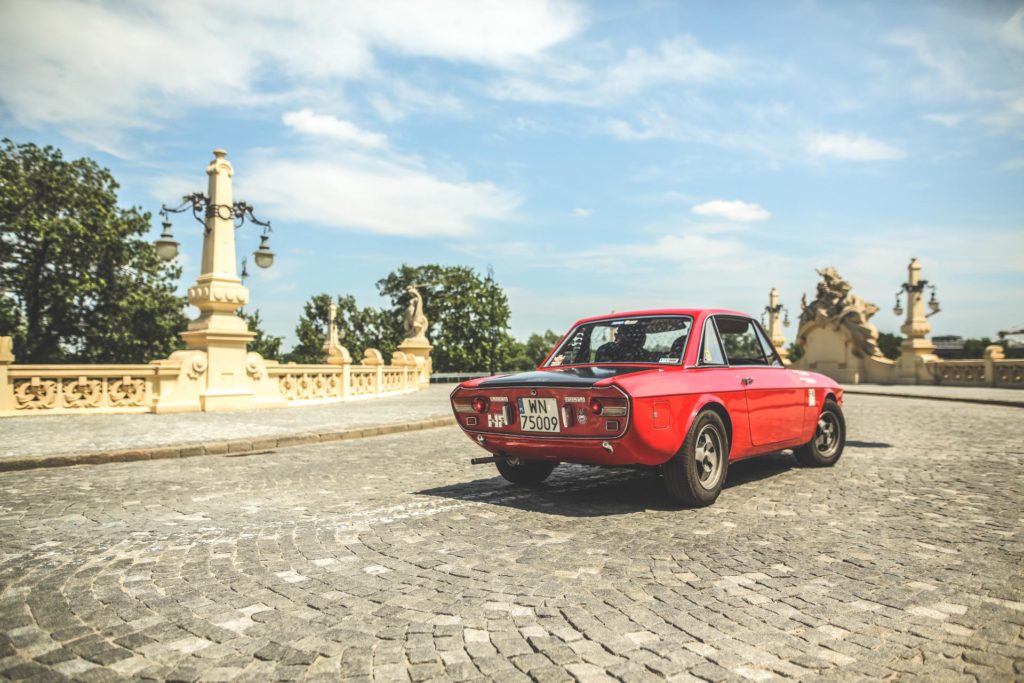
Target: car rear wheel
[695,474]
[526,472]
[824,449]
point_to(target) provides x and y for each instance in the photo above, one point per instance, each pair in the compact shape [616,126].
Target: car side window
[769,350]
[710,348]
[740,341]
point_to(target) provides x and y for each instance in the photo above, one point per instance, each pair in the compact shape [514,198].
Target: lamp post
[218,292]
[916,348]
[492,323]
[775,324]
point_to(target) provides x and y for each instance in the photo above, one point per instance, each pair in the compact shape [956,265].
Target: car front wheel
[695,474]
[824,449]
[525,472]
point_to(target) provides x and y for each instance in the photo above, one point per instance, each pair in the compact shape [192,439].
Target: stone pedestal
[6,358]
[419,348]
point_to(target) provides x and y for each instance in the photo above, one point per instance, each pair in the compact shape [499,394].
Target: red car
[685,390]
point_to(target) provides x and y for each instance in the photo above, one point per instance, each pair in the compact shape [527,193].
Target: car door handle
[747,380]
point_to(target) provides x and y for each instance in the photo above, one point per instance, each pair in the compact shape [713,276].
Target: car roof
[692,312]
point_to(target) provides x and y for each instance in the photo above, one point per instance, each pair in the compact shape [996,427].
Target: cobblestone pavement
[49,434]
[392,558]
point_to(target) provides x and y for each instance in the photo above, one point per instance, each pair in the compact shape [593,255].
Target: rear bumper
[626,450]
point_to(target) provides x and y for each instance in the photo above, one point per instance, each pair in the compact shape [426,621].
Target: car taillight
[608,407]
[463,405]
[481,404]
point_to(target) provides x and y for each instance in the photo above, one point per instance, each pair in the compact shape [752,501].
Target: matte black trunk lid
[561,377]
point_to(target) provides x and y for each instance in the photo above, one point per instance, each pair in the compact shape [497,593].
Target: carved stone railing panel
[1009,373]
[959,372]
[308,383]
[39,388]
[363,381]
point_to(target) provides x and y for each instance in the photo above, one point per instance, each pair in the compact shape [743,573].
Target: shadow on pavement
[579,491]
[868,444]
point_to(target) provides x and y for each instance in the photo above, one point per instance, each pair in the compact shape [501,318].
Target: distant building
[948,346]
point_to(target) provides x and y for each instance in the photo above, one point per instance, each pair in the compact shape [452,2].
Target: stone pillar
[993,353]
[775,326]
[6,359]
[419,348]
[218,293]
[916,349]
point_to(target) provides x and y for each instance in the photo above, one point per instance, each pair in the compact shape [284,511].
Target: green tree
[358,328]
[529,355]
[468,315]
[78,283]
[975,348]
[889,344]
[267,345]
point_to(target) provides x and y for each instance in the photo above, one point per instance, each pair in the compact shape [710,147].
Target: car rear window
[615,341]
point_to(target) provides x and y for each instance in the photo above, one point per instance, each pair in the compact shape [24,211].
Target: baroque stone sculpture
[836,303]
[836,335]
[415,323]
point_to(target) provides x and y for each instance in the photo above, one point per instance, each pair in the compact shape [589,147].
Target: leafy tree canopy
[529,355]
[77,281]
[267,345]
[889,344]
[358,328]
[468,315]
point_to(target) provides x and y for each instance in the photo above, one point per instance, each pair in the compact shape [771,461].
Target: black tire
[825,447]
[695,474]
[526,472]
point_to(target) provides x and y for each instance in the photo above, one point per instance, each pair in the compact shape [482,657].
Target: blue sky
[600,156]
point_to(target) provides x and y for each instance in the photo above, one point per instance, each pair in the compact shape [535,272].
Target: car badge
[533,392]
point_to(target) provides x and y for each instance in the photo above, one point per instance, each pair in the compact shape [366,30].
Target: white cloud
[680,60]
[95,68]
[403,99]
[947,120]
[732,210]
[851,147]
[582,213]
[354,192]
[1012,32]
[321,125]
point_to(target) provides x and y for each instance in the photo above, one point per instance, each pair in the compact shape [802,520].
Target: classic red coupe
[685,390]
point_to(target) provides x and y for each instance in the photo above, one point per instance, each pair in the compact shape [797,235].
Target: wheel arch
[716,407]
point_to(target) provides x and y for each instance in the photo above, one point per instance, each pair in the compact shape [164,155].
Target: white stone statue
[415,324]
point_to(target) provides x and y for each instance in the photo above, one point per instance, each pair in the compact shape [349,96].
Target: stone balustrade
[74,388]
[175,384]
[1007,374]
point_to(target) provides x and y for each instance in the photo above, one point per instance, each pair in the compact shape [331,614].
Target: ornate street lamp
[166,246]
[202,209]
[771,310]
[913,291]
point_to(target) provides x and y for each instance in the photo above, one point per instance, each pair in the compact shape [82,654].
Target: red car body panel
[766,409]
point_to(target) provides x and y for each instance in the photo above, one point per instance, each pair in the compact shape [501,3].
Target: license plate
[539,415]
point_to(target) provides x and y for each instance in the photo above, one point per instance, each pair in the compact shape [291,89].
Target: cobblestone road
[391,557]
[66,433]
